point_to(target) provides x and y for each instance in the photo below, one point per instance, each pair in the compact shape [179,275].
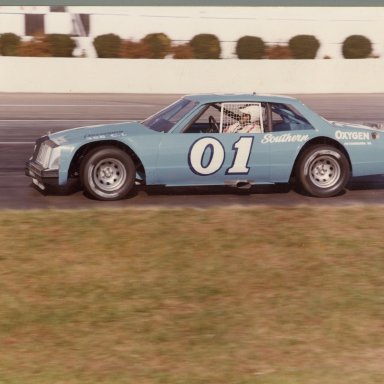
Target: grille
[43,152]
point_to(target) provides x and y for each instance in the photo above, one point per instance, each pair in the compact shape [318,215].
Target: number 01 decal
[207,156]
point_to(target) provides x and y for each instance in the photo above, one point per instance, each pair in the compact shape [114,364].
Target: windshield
[164,120]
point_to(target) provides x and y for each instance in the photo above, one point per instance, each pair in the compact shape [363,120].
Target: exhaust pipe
[243,185]
[239,184]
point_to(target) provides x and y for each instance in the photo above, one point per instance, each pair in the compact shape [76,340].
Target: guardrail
[77,75]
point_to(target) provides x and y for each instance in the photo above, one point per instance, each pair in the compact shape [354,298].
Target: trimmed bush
[205,46]
[159,45]
[357,47]
[56,45]
[133,50]
[108,46]
[9,44]
[304,46]
[250,47]
[37,47]
[60,45]
[183,51]
[278,52]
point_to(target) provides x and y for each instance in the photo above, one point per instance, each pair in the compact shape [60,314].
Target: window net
[231,113]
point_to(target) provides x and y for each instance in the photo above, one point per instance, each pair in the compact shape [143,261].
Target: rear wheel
[108,173]
[323,171]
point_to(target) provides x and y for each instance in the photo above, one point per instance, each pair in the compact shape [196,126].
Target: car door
[200,153]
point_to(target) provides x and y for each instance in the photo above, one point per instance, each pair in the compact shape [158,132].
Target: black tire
[107,173]
[323,171]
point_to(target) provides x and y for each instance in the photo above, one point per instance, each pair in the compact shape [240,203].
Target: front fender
[145,151]
[66,155]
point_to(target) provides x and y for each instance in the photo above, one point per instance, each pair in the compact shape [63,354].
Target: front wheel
[323,171]
[107,173]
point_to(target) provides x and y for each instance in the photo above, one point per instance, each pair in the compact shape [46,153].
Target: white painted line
[78,105]
[16,142]
[66,120]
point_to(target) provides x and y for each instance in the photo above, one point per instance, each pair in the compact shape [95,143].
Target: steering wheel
[213,126]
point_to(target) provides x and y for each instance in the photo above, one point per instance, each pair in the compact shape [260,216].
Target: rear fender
[320,140]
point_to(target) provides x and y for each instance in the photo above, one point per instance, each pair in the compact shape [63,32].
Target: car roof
[237,97]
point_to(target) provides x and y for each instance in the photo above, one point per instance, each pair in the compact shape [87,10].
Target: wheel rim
[324,171]
[109,175]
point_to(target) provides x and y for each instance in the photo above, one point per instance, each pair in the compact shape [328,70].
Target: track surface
[25,117]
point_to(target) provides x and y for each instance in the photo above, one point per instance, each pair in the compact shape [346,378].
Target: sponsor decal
[206,156]
[104,135]
[285,138]
[211,150]
[60,140]
[345,135]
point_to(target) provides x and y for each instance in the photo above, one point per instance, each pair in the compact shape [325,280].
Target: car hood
[98,132]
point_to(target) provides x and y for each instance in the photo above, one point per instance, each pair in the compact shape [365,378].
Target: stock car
[187,144]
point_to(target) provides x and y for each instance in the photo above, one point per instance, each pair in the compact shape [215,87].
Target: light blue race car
[202,140]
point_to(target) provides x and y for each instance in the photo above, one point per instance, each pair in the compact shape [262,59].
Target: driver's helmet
[253,111]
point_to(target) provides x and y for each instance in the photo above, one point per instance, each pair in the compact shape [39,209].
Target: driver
[249,121]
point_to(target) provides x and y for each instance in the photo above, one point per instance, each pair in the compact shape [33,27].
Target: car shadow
[214,190]
[70,189]
[355,184]
[364,183]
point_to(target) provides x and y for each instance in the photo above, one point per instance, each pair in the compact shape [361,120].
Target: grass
[258,296]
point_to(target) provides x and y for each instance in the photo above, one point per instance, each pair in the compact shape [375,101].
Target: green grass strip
[237,296]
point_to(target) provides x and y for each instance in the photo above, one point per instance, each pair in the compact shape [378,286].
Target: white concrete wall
[12,23]
[275,25]
[75,75]
[58,23]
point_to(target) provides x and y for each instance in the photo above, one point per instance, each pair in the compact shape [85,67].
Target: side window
[243,117]
[165,119]
[286,118]
[232,117]
[206,122]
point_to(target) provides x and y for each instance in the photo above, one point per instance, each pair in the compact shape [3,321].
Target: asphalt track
[25,117]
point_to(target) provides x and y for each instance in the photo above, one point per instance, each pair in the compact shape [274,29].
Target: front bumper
[40,176]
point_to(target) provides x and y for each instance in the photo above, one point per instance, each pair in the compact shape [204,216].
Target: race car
[238,140]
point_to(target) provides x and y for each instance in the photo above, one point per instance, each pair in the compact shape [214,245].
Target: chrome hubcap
[109,174]
[325,172]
